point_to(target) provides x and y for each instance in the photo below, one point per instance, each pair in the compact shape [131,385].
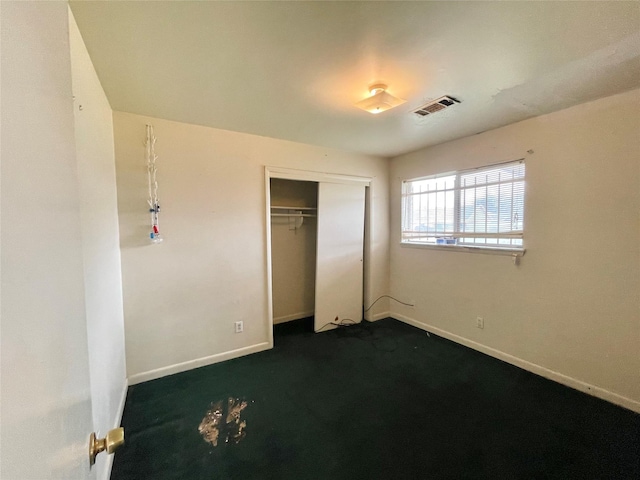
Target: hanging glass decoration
[154,205]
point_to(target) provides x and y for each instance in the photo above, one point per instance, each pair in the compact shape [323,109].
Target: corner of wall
[566,380]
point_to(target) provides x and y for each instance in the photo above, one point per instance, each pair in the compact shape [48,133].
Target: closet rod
[292,215]
[273,207]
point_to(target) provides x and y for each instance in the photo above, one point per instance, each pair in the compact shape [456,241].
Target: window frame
[512,250]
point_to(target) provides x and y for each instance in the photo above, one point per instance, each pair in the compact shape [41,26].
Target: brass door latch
[110,443]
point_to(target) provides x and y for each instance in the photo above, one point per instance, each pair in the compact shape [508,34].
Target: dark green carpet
[375,401]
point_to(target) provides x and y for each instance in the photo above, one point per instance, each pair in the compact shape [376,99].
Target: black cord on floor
[339,324]
[392,298]
[364,334]
[342,323]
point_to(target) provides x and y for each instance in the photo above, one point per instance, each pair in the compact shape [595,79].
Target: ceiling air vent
[435,106]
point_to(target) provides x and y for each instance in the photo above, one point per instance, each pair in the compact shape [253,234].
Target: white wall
[46,403]
[570,311]
[293,252]
[100,243]
[181,297]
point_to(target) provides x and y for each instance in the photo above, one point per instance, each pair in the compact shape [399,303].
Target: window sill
[513,252]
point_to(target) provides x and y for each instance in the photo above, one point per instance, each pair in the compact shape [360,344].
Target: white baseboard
[526,365]
[293,316]
[298,316]
[379,316]
[123,399]
[117,422]
[198,362]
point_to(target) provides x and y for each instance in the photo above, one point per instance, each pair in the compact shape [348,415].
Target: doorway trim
[311,176]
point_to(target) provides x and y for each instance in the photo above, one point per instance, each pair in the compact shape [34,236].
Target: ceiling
[293,70]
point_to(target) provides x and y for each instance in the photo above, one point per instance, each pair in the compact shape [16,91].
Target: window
[483,207]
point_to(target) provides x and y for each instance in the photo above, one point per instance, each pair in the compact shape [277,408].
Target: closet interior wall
[293,248]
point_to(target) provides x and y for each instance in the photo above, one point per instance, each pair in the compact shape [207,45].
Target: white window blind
[480,207]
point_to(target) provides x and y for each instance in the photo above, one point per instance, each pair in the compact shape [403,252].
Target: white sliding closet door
[339,254]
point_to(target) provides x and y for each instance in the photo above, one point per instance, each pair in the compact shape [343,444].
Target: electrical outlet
[479,322]
[239,327]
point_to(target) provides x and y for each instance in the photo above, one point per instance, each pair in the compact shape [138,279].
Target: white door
[339,254]
[46,396]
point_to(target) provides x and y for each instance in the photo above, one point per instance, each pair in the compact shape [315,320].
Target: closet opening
[293,248]
[318,234]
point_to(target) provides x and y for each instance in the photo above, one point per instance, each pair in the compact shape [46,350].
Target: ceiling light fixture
[380,100]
